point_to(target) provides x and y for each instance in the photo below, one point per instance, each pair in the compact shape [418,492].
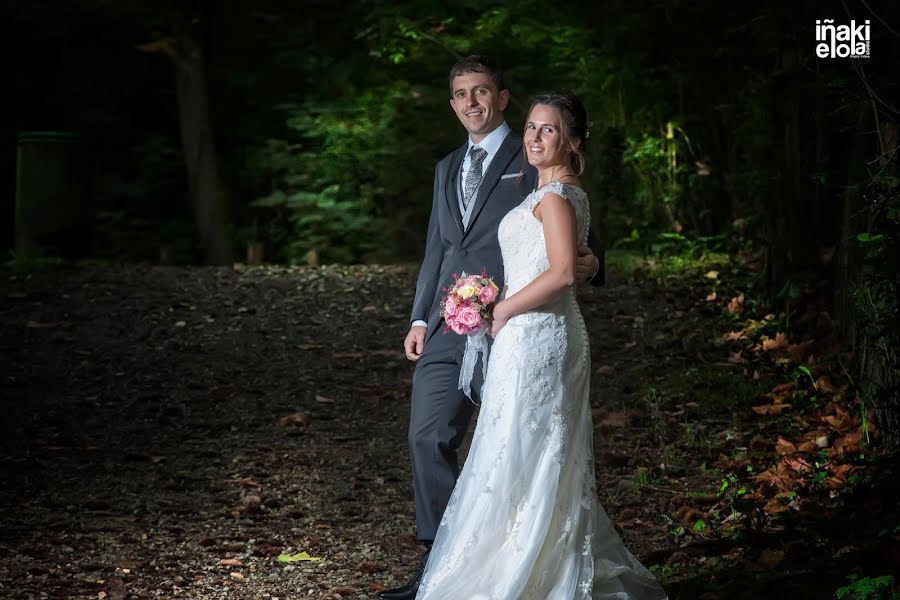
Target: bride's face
[543,137]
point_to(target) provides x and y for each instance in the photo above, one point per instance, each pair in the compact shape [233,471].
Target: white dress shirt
[490,144]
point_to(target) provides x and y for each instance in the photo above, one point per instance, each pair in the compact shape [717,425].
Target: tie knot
[477,155]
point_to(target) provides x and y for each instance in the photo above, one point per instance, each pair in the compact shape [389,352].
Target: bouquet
[469,303]
[466,308]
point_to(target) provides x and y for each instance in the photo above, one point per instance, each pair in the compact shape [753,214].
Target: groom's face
[478,103]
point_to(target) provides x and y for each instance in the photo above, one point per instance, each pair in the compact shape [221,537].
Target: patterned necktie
[473,177]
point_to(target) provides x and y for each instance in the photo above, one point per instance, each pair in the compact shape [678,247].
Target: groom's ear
[504,99]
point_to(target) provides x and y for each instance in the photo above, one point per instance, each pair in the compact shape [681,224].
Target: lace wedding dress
[523,521]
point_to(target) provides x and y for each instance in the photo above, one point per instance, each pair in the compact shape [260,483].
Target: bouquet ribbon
[475,343]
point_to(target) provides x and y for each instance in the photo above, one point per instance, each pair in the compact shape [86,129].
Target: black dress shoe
[408,591]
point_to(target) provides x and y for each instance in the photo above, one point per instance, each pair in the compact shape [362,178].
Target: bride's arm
[558,217]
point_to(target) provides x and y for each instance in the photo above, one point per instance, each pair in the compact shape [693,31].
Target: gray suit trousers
[439,418]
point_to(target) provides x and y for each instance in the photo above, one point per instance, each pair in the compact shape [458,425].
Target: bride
[523,521]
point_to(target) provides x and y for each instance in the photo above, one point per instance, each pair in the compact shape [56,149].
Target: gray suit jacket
[449,249]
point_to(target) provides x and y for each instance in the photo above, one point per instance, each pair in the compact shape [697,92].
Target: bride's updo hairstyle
[574,125]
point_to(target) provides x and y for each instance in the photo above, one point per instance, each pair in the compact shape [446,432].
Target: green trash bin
[51,192]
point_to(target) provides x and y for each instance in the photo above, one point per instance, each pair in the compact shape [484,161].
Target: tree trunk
[848,254]
[199,149]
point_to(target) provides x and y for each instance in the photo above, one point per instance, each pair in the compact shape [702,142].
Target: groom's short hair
[477,63]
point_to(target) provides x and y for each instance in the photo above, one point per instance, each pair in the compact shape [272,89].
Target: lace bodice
[521,234]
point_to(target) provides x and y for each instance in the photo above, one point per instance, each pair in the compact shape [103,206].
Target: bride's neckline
[571,185]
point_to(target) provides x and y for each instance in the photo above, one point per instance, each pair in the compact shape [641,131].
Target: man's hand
[586,264]
[414,342]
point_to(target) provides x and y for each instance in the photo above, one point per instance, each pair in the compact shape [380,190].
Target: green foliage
[876,300]
[25,266]
[867,588]
[329,178]
[659,171]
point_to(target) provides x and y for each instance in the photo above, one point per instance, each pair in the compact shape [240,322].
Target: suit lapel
[452,185]
[508,150]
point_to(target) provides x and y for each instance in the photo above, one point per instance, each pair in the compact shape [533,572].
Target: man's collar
[492,142]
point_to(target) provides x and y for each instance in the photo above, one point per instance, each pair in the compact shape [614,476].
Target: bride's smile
[542,138]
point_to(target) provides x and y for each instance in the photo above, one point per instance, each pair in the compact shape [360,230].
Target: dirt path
[170,432]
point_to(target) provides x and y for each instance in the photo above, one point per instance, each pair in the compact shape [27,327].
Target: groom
[474,187]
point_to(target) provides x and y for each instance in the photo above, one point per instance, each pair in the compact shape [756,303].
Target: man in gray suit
[474,187]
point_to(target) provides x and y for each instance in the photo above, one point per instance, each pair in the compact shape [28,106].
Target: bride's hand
[498,320]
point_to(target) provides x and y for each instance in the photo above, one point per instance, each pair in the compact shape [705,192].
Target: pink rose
[487,294]
[457,327]
[471,279]
[450,306]
[469,318]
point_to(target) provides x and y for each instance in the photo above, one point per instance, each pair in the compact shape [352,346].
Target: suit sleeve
[429,272]
[597,247]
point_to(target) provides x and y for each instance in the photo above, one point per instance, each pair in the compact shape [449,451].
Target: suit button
[463,252]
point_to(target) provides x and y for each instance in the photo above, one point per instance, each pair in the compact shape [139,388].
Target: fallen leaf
[846,444]
[823,384]
[711,296]
[324,399]
[297,419]
[732,336]
[780,341]
[369,566]
[839,422]
[736,305]
[774,506]
[807,446]
[801,350]
[231,562]
[783,387]
[797,464]
[298,557]
[770,409]
[237,575]
[783,447]
[736,358]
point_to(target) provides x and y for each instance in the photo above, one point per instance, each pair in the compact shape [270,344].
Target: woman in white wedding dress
[523,521]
